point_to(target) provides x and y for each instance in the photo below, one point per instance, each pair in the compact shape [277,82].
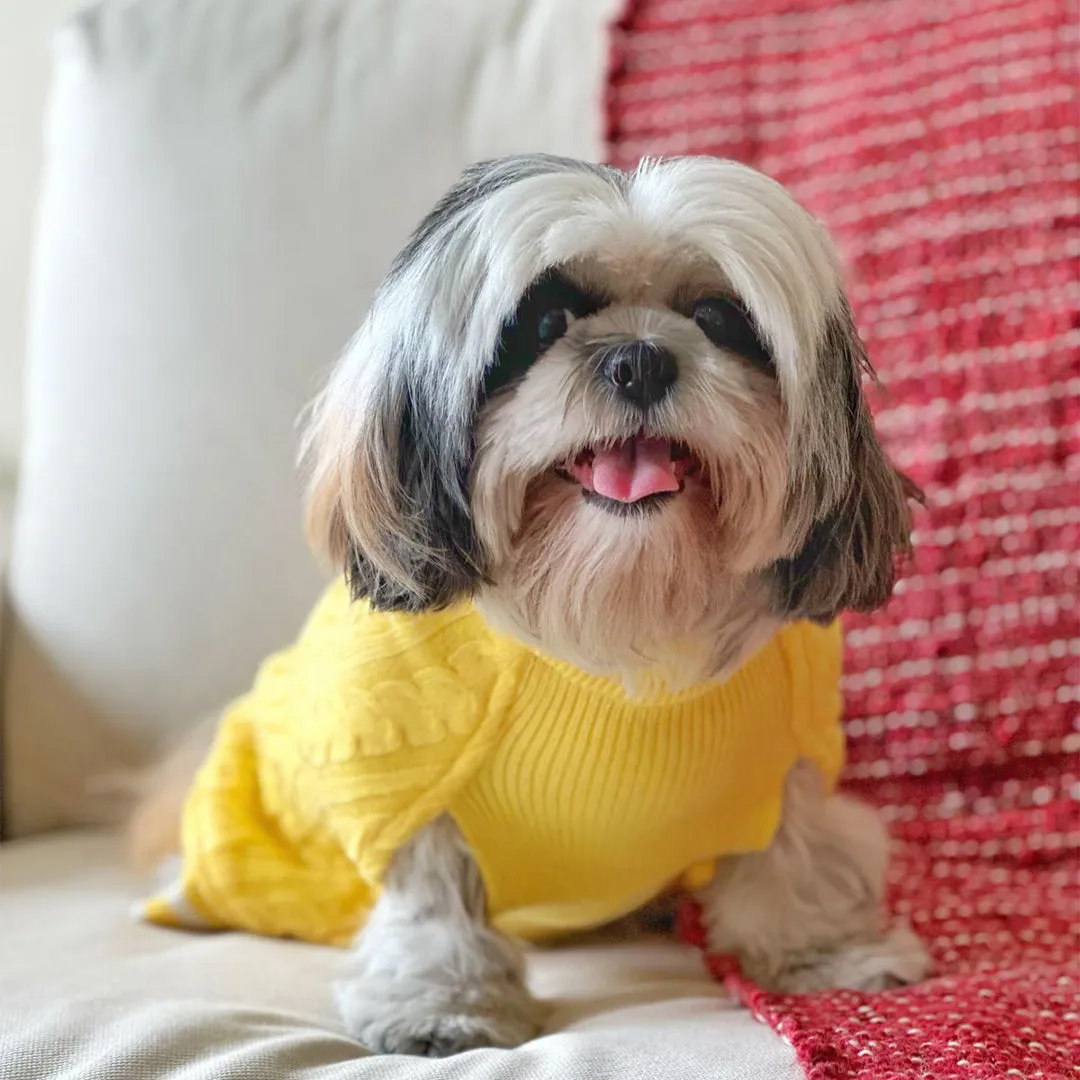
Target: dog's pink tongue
[634,469]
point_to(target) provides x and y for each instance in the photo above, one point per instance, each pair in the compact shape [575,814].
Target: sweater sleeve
[348,743]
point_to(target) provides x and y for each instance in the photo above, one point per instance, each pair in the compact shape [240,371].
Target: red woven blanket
[939,143]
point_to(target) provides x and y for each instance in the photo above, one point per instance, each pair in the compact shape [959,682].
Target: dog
[602,434]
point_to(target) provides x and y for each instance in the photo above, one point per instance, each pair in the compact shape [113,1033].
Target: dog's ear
[387,495]
[388,446]
[848,559]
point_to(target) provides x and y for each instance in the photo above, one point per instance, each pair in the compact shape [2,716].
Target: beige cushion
[86,993]
[227,180]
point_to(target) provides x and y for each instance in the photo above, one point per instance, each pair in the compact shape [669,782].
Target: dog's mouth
[632,474]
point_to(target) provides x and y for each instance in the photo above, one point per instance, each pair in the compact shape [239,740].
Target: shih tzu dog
[597,477]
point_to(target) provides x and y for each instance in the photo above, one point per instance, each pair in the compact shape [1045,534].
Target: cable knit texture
[579,802]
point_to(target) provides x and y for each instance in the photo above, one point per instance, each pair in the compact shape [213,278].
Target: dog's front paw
[897,959]
[407,1016]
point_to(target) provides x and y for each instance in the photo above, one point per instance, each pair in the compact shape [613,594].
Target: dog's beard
[667,586]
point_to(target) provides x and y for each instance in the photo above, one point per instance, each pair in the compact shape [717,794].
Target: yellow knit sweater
[578,802]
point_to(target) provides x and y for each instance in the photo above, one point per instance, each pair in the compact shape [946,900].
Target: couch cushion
[87,992]
[227,180]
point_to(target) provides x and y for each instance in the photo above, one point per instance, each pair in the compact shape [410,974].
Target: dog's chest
[583,811]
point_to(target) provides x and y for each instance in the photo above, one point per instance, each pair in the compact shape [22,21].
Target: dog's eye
[543,315]
[729,327]
[552,325]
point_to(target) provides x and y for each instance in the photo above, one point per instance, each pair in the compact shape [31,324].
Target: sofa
[226,181]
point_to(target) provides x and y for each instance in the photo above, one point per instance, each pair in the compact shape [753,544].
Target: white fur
[427,975]
[805,914]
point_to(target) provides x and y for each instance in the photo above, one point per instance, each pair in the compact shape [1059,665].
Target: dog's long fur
[426,489]
[438,460]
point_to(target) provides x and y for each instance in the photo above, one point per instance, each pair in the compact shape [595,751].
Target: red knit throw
[939,144]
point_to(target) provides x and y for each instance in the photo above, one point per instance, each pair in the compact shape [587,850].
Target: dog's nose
[641,371]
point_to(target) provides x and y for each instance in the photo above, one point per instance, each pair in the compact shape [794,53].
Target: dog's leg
[429,976]
[805,914]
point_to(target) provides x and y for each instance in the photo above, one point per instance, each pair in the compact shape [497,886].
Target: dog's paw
[406,1016]
[897,959]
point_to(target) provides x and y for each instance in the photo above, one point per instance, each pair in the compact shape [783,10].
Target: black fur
[437,544]
[520,345]
[848,559]
[795,576]
[729,326]
[482,180]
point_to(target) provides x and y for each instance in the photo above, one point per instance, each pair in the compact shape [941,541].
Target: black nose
[641,372]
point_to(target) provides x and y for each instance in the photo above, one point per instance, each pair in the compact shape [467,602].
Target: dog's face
[622,411]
